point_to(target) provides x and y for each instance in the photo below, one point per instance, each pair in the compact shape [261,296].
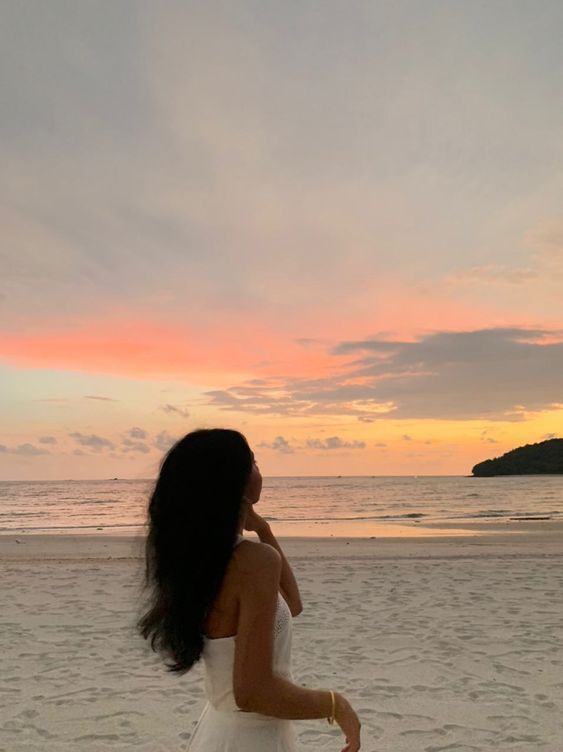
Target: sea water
[295,505]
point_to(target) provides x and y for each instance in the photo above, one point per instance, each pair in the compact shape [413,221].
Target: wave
[15,528]
[409,516]
[505,513]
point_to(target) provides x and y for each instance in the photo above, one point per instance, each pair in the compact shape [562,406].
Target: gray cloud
[494,374]
[497,374]
[27,450]
[47,440]
[334,442]
[24,450]
[174,409]
[135,446]
[254,401]
[163,441]
[279,444]
[91,440]
[137,433]
[97,397]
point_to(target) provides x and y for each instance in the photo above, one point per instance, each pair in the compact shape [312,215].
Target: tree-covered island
[545,457]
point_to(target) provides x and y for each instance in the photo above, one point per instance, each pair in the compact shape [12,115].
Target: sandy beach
[452,642]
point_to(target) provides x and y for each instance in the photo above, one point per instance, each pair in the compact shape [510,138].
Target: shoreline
[334,529]
[476,540]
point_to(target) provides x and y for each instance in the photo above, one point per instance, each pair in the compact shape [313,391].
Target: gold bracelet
[332,716]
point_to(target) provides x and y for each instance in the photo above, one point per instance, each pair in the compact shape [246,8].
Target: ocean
[323,506]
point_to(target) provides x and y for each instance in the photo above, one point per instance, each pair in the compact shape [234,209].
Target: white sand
[449,644]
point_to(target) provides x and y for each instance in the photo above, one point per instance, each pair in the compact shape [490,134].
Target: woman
[218,596]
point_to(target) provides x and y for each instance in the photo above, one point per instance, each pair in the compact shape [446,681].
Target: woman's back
[222,726]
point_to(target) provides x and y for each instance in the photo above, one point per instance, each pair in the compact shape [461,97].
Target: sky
[334,226]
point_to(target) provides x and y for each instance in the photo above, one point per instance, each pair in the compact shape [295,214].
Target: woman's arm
[257,688]
[288,584]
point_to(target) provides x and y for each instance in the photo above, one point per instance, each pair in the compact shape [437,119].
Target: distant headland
[546,457]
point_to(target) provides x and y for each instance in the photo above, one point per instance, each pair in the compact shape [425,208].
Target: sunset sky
[334,226]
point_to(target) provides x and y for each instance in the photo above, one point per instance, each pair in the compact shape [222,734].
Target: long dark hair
[193,519]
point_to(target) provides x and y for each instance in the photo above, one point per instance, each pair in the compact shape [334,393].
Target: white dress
[222,727]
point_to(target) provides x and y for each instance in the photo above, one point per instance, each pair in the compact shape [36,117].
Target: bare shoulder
[254,558]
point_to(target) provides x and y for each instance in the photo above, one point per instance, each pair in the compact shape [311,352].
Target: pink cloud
[243,344]
[144,348]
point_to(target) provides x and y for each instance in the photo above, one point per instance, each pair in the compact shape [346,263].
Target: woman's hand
[349,722]
[253,521]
